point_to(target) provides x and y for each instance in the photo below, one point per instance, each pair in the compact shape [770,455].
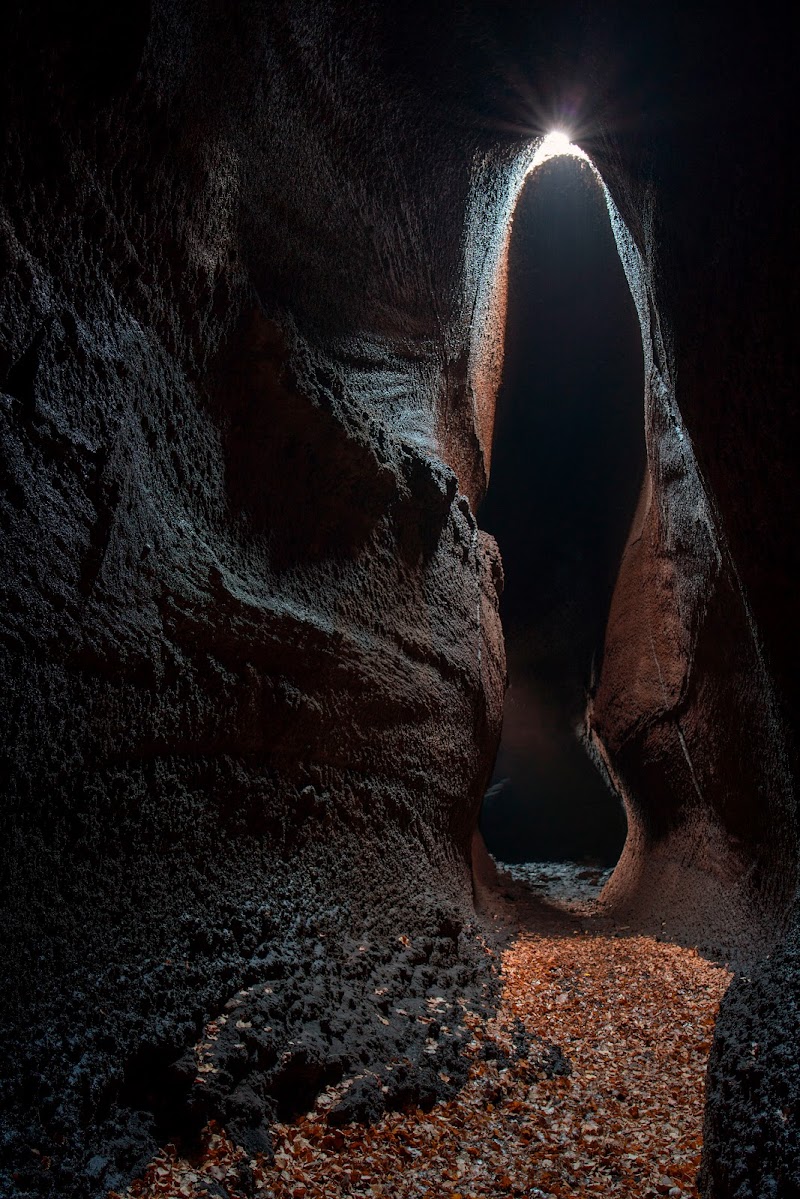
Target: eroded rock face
[686,719]
[252,670]
[751,1144]
[252,666]
[698,704]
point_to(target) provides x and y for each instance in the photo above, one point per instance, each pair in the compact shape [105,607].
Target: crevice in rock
[567,468]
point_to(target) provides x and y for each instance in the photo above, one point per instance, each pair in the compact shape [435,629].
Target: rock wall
[684,715]
[250,323]
[252,666]
[712,210]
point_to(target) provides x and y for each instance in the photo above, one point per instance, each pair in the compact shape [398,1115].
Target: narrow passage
[588,1082]
[568,460]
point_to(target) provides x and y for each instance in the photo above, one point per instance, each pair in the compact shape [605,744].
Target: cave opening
[568,459]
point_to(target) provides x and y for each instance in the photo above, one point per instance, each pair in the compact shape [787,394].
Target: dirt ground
[588,1081]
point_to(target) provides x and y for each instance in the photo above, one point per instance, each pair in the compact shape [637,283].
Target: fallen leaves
[629,1019]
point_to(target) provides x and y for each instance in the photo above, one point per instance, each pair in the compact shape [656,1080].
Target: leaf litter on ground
[588,1081]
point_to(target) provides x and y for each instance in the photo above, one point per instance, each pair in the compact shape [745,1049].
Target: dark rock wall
[250,325]
[252,667]
[700,710]
[728,274]
[684,715]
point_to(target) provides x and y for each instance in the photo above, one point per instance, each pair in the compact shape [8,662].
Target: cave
[258,323]
[567,466]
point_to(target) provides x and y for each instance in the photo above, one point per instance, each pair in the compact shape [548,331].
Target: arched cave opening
[567,465]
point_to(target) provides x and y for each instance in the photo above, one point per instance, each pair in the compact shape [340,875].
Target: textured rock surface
[752,1139]
[696,710]
[252,669]
[250,318]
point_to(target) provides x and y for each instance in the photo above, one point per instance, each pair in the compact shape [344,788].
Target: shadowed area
[567,465]
[252,670]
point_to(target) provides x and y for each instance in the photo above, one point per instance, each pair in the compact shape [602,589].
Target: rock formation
[251,320]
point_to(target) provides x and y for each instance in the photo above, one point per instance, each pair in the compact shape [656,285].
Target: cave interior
[361,455]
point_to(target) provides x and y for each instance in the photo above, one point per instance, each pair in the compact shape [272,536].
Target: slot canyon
[313,338]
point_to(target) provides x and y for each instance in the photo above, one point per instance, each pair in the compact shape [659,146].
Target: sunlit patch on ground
[588,1082]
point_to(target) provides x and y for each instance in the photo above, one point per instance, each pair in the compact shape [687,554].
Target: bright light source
[556,142]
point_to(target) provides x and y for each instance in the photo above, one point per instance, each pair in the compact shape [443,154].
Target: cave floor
[588,1080]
